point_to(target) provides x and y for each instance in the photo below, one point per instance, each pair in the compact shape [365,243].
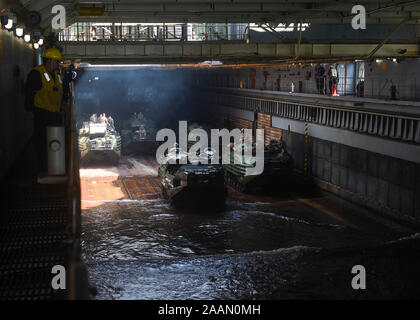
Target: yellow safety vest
[50,95]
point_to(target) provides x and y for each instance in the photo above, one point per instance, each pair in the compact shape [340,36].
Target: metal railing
[74,178]
[78,281]
[151,32]
[405,88]
[384,124]
[131,33]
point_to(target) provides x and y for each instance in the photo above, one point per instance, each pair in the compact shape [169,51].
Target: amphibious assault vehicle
[99,142]
[278,169]
[139,136]
[192,184]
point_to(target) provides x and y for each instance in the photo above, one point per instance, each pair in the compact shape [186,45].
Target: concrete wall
[16,61]
[388,185]
[379,76]
[269,78]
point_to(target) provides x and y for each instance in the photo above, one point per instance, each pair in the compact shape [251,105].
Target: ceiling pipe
[272,31]
[390,35]
[299,25]
[346,59]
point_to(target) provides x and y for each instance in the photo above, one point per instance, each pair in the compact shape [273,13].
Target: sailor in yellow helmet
[43,98]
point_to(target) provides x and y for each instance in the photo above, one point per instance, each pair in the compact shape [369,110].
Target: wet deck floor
[137,246]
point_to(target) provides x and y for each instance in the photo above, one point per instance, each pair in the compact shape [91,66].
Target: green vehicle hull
[277,174]
[193,186]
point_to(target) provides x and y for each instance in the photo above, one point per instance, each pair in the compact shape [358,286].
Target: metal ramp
[33,238]
[40,228]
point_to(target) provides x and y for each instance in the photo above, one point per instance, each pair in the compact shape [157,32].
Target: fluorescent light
[27,37]
[19,32]
[9,24]
[41,42]
[36,46]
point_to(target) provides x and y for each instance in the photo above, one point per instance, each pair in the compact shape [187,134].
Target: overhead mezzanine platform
[166,52]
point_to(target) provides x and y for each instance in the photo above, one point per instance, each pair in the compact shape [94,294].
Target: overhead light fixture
[19,32]
[9,24]
[27,37]
[36,46]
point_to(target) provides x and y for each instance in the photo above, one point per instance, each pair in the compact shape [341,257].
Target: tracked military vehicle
[192,184]
[278,169]
[139,136]
[99,142]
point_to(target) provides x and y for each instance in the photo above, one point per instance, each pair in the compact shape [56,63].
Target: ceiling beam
[193,51]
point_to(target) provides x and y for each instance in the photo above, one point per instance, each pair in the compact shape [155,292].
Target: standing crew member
[111,122]
[94,118]
[68,77]
[333,75]
[103,118]
[141,118]
[43,98]
[320,79]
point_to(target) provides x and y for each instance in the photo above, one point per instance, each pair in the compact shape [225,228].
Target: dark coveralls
[42,118]
[320,79]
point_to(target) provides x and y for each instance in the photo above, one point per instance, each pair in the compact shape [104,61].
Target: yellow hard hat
[53,53]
